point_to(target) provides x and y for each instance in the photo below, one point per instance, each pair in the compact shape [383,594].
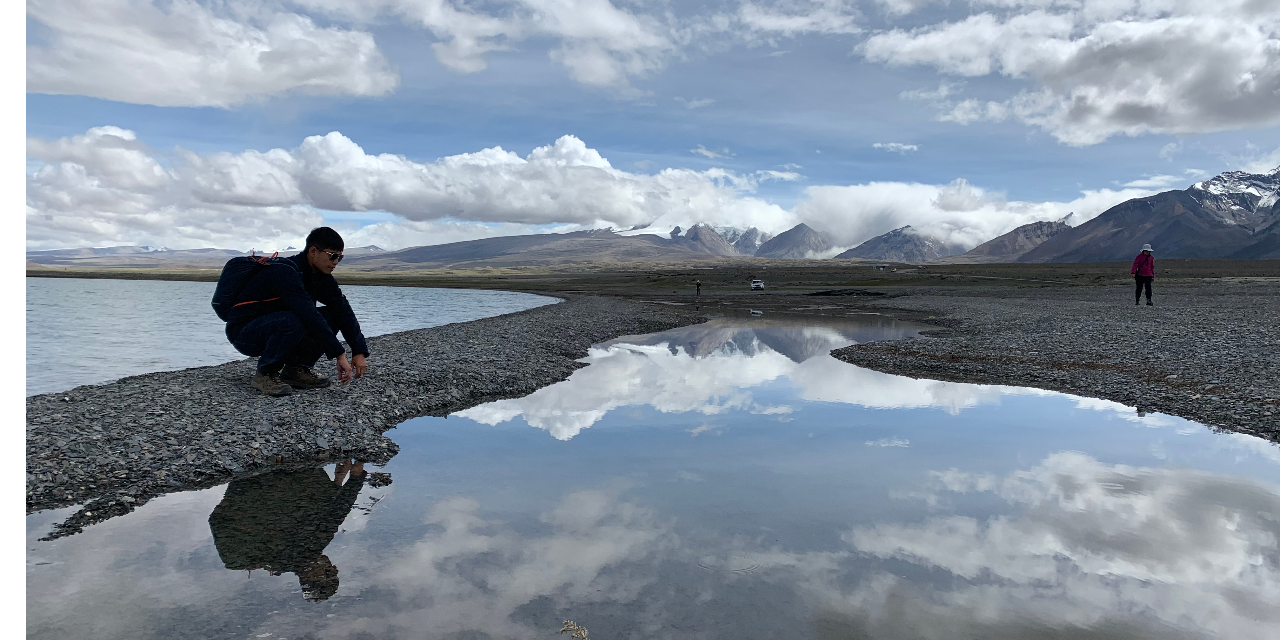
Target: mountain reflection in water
[736,482]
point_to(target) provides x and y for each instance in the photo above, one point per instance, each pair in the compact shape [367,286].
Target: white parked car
[757,285]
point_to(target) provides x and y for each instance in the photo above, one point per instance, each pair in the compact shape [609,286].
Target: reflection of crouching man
[275,318]
[283,521]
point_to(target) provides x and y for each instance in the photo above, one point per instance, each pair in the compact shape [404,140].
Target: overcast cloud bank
[106,187]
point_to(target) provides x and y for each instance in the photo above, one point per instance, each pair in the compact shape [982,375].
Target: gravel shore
[112,447]
[1209,353]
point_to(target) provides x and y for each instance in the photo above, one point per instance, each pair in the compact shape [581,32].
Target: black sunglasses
[336,257]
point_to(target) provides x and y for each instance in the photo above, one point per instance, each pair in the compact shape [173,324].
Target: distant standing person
[1144,271]
[275,318]
[698,285]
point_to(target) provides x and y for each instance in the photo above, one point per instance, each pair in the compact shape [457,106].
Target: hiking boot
[1149,304]
[302,377]
[271,384]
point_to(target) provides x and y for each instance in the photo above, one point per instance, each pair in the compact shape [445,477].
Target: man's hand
[344,369]
[358,362]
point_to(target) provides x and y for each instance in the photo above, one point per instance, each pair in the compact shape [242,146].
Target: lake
[728,480]
[82,331]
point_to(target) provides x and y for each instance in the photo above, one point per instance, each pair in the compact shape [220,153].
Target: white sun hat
[1147,247]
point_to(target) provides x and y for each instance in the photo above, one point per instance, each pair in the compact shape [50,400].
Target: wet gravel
[113,447]
[1206,352]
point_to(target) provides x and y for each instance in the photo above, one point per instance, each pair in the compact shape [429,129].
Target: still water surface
[92,331]
[729,480]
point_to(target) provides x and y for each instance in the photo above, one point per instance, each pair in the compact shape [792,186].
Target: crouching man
[276,319]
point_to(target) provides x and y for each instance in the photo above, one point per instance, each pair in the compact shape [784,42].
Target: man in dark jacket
[276,319]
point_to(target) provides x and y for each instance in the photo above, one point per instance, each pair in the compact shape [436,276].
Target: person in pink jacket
[1144,271]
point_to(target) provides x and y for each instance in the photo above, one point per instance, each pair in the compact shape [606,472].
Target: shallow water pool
[729,480]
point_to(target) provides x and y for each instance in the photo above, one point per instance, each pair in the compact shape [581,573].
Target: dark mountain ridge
[800,241]
[1012,245]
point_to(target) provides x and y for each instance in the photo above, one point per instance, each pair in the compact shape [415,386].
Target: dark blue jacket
[292,285]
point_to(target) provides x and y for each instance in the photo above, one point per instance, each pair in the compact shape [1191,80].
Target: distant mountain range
[1235,215]
[903,245]
[695,243]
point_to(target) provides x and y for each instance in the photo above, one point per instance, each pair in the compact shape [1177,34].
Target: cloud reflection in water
[712,369]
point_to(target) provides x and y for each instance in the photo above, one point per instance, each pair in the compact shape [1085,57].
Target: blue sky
[1017,110]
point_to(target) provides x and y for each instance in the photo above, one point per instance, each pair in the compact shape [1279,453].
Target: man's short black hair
[324,238]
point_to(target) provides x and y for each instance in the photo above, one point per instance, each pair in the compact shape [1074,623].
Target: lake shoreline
[1204,352]
[112,447]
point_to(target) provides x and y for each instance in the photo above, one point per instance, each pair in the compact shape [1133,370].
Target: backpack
[235,275]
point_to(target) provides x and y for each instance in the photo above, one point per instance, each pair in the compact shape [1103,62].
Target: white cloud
[1254,159]
[183,53]
[971,111]
[903,7]
[1156,182]
[895,147]
[1169,150]
[959,212]
[944,90]
[789,18]
[712,154]
[695,104]
[889,442]
[105,187]
[1100,68]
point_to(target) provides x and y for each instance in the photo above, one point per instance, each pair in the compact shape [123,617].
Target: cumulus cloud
[106,187]
[958,212]
[183,53]
[1099,68]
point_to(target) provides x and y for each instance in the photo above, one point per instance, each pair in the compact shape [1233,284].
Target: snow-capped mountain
[1234,215]
[1247,199]
[746,241]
